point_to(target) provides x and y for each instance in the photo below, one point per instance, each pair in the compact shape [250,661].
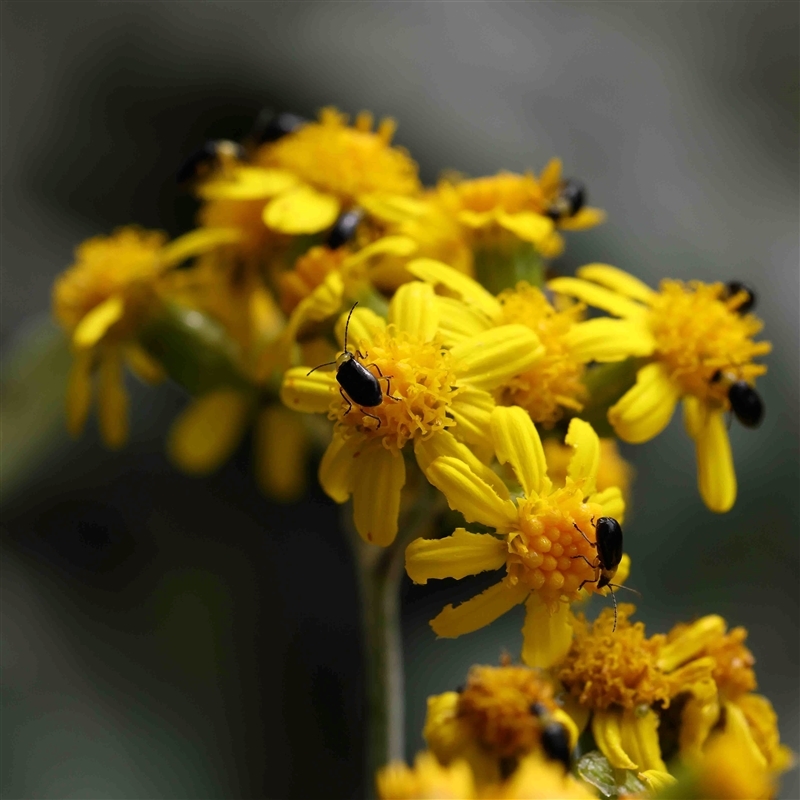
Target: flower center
[615,667]
[417,386]
[699,334]
[555,381]
[546,552]
[496,704]
[504,192]
[104,266]
[345,161]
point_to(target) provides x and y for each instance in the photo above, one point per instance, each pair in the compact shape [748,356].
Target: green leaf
[594,768]
[606,383]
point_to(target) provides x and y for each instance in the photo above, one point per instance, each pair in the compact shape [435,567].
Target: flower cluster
[417,337]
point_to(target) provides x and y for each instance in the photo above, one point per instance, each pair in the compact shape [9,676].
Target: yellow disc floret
[342,160]
[699,335]
[418,386]
[555,381]
[547,553]
[125,262]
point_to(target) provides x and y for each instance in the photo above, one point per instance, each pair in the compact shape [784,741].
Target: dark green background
[165,637]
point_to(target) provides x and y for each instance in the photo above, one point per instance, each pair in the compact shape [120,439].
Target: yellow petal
[646,409]
[458,321]
[301,210]
[478,611]
[587,217]
[310,393]
[597,296]
[639,732]
[444,444]
[585,462]
[380,474]
[612,502]
[392,208]
[470,494]
[248,183]
[112,400]
[337,468]
[618,281]
[281,447]
[364,324]
[207,432]
[606,730]
[737,728]
[516,441]
[699,716]
[196,243]
[692,640]
[386,246]
[79,391]
[546,635]
[657,781]
[475,219]
[93,326]
[608,340]
[527,225]
[456,556]
[488,360]
[144,366]
[716,476]
[694,413]
[455,282]
[324,301]
[472,410]
[413,309]
[550,179]
[578,713]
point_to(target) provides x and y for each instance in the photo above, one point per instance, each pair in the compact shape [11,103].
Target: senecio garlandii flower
[416,342]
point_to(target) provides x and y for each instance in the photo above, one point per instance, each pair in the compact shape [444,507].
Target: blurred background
[169,637]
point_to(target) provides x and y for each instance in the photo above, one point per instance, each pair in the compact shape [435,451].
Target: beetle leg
[588,580]
[593,566]
[593,544]
[373,364]
[372,416]
[346,399]
[361,355]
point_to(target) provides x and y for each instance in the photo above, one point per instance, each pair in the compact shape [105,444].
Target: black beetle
[608,533]
[746,403]
[269,126]
[205,158]
[554,737]
[344,229]
[732,288]
[362,387]
[570,200]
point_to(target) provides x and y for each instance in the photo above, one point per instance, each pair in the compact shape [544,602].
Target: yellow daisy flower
[702,346]
[545,540]
[631,684]
[499,716]
[306,178]
[427,780]
[424,391]
[103,300]
[554,384]
[538,779]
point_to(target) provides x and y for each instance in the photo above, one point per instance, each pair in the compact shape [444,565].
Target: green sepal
[594,768]
[499,268]
[605,384]
[194,349]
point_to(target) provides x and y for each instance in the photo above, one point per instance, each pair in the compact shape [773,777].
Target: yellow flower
[306,178]
[613,470]
[544,540]
[701,345]
[631,683]
[507,206]
[537,779]
[495,720]
[427,780]
[103,300]
[425,390]
[554,384]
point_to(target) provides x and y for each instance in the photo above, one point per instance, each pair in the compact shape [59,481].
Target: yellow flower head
[554,384]
[427,780]
[102,300]
[701,346]
[545,539]
[497,718]
[537,779]
[309,272]
[424,391]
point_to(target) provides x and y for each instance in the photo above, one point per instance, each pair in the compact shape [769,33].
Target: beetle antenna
[614,598]
[626,588]
[347,324]
[326,364]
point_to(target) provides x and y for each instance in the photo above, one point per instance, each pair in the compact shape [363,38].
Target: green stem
[380,572]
